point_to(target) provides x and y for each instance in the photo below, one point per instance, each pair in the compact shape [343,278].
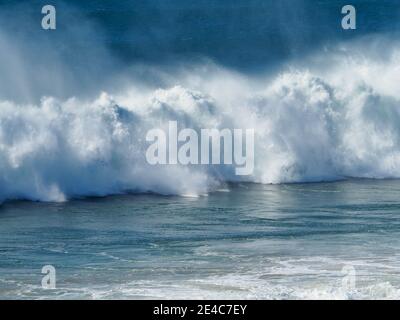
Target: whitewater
[333,116]
[317,219]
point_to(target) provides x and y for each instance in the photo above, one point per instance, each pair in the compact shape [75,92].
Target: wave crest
[310,125]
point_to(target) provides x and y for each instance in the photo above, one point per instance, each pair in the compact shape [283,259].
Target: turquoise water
[246,241]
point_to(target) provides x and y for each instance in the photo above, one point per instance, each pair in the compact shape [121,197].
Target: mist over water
[76,103]
[98,42]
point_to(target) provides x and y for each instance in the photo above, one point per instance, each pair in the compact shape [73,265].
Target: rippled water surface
[248,241]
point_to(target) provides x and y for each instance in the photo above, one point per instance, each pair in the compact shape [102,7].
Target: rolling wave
[318,123]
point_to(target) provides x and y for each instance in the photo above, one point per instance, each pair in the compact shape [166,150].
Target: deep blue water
[99,40]
[246,34]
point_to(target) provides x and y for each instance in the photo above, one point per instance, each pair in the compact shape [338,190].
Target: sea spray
[311,124]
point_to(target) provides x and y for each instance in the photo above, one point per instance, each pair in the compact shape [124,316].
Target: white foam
[311,124]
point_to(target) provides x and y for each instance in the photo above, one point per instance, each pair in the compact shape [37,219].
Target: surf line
[234,151]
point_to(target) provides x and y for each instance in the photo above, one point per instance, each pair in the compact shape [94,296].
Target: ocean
[254,241]
[316,219]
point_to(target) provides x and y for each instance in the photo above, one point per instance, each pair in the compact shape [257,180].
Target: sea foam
[311,124]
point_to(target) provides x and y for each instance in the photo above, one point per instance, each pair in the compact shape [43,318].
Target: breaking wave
[311,124]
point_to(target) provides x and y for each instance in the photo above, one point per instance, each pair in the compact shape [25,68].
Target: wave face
[311,124]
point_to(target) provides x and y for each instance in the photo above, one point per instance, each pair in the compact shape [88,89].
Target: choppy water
[75,106]
[248,241]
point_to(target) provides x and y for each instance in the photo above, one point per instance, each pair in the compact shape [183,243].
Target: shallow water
[249,241]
